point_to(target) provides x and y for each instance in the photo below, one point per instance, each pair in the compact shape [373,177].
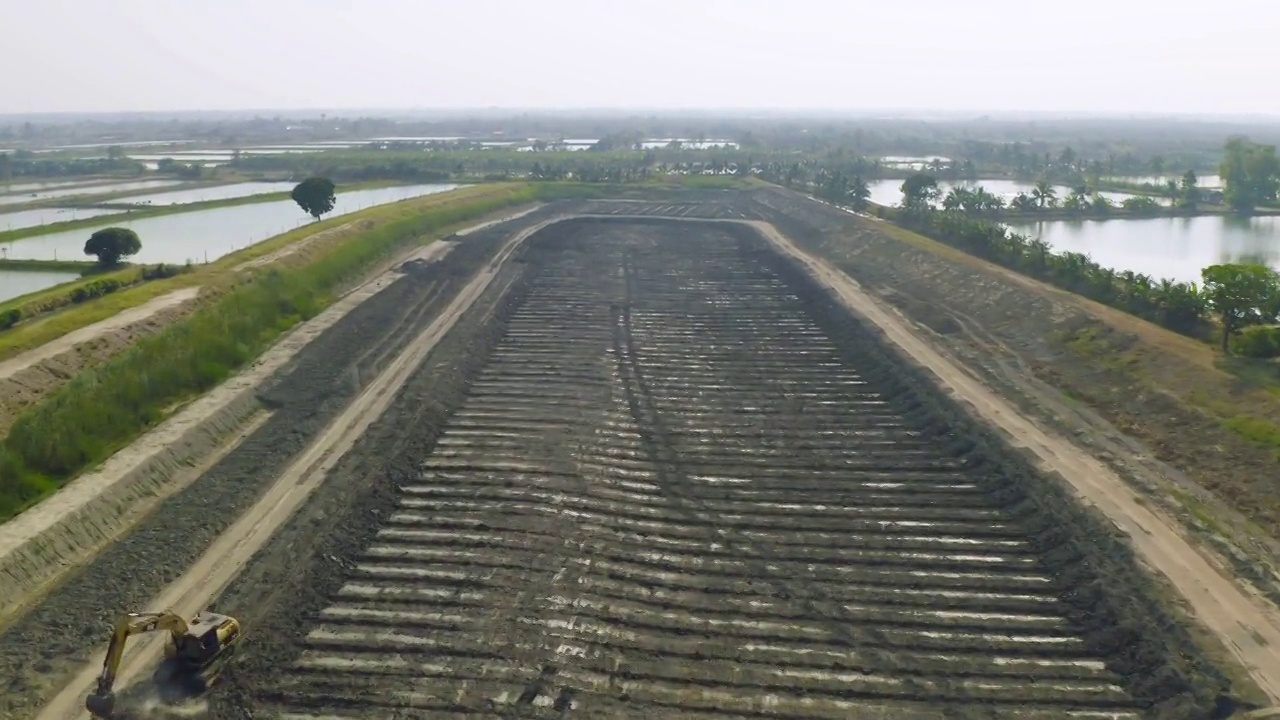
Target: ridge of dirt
[1250,629]
[53,640]
[1122,399]
[323,557]
[1158,410]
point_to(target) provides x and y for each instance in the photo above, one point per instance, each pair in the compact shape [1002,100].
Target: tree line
[921,190]
[1242,299]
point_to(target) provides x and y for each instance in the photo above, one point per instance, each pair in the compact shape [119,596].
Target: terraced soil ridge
[673,492]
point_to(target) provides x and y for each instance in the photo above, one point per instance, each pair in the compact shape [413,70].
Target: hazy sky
[1198,56]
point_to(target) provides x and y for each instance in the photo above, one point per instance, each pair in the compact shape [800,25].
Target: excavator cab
[208,636]
[194,655]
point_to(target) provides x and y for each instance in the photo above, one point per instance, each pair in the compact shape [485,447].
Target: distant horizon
[743,113]
[1093,58]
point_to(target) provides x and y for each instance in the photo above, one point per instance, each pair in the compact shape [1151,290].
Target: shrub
[1258,342]
[10,318]
[164,270]
[97,288]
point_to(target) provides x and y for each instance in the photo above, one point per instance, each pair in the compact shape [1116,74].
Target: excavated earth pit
[42,649]
[657,473]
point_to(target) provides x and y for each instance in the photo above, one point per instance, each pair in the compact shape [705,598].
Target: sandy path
[53,348]
[224,559]
[1248,627]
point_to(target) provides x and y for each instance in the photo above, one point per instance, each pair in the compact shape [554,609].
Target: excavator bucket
[101,705]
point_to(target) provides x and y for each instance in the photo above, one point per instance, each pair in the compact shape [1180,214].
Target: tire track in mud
[47,645]
[670,494]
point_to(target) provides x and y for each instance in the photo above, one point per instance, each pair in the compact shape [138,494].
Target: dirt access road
[223,560]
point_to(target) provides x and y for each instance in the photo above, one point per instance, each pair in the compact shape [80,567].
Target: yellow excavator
[194,654]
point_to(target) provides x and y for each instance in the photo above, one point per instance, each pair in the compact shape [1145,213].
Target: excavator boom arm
[130,625]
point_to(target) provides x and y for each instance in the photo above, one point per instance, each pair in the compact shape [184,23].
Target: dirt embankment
[53,640]
[652,547]
[1150,403]
[29,376]
[278,592]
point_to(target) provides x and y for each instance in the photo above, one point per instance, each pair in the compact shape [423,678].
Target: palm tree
[859,193]
[985,202]
[1022,202]
[980,198]
[958,198]
[1078,200]
[1044,195]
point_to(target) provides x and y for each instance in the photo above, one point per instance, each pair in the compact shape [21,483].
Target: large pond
[889,192]
[1176,248]
[1206,182]
[86,190]
[15,283]
[205,235]
[29,187]
[45,216]
[217,192]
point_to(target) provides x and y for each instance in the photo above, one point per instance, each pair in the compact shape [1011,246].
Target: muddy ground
[41,649]
[666,477]
[1144,405]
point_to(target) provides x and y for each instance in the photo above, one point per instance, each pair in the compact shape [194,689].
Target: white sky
[1193,56]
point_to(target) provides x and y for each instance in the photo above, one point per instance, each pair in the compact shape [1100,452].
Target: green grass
[103,409]
[1254,429]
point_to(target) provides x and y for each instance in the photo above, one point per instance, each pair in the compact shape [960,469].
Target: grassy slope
[1214,417]
[1242,374]
[104,409]
[33,334]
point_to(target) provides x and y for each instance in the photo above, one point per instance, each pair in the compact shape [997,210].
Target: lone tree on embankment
[112,244]
[1241,294]
[315,196]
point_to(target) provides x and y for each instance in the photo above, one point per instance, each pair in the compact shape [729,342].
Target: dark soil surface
[665,477]
[1165,410]
[40,651]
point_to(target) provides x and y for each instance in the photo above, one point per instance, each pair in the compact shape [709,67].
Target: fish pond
[1175,248]
[205,194]
[45,216]
[16,283]
[19,198]
[205,235]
